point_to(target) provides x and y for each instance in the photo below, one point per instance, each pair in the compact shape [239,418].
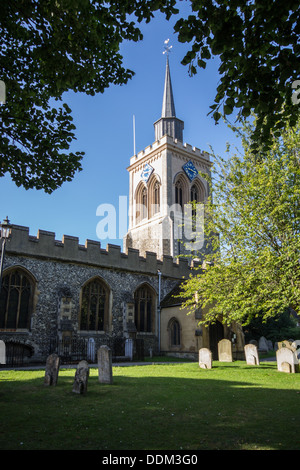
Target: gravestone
[251,354]
[105,365]
[52,369]
[205,358]
[286,360]
[2,352]
[285,344]
[225,350]
[81,378]
[263,344]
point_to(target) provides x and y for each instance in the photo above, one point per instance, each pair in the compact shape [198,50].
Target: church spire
[168,123]
[168,106]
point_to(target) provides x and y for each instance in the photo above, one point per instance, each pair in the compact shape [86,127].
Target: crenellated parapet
[45,246]
[184,148]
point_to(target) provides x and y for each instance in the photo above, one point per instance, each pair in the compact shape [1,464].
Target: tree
[49,47]
[253,223]
[277,328]
[258,47]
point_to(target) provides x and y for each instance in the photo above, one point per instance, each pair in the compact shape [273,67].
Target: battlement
[45,246]
[169,140]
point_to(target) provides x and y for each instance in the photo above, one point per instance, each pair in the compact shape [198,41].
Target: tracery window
[153,196]
[141,200]
[16,299]
[174,332]
[94,306]
[156,197]
[194,193]
[144,203]
[179,193]
[144,299]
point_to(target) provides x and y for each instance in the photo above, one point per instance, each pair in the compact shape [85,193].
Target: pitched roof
[171,299]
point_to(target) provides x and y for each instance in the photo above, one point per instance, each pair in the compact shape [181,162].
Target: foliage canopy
[253,222]
[258,47]
[49,47]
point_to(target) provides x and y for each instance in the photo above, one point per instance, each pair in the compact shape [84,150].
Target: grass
[153,407]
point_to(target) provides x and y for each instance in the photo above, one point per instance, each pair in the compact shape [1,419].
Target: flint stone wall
[64,276]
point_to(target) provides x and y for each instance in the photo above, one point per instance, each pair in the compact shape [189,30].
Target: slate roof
[171,300]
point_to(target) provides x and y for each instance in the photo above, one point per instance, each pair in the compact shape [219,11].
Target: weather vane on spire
[167,47]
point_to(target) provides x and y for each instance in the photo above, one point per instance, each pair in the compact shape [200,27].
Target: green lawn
[154,407]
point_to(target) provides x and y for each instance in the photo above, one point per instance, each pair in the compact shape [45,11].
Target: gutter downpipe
[158,309]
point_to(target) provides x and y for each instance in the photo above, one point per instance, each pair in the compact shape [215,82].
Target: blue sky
[104,131]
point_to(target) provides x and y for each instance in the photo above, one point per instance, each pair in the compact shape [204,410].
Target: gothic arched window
[94,306]
[154,196]
[144,203]
[194,193]
[179,193]
[141,201]
[16,299]
[144,300]
[174,332]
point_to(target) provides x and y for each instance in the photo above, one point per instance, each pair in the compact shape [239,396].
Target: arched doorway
[216,333]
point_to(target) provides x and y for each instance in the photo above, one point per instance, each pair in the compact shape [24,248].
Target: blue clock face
[190,170]
[146,173]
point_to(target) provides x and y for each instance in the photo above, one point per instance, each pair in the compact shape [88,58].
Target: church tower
[163,179]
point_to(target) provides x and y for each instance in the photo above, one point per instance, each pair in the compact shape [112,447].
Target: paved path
[114,364]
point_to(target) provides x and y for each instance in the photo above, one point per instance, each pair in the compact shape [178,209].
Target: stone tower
[163,179]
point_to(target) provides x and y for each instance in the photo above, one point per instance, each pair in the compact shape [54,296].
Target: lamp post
[5,235]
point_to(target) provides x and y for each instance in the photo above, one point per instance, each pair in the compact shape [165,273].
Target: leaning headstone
[2,352]
[251,354]
[52,369]
[205,358]
[286,360]
[81,378]
[105,365]
[225,350]
[263,344]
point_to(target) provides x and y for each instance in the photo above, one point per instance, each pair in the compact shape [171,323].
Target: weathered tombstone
[285,344]
[286,360]
[2,352]
[263,344]
[225,350]
[105,365]
[251,354]
[205,358]
[81,378]
[52,369]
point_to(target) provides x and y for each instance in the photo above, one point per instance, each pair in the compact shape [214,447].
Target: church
[58,292]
